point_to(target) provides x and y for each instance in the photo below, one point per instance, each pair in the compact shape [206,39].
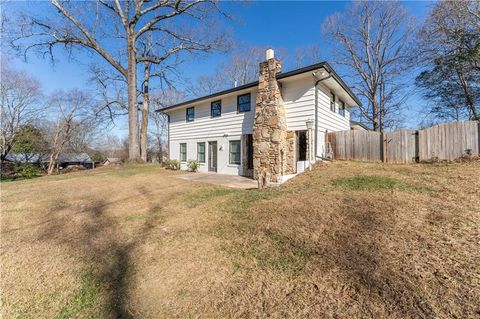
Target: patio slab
[232,181]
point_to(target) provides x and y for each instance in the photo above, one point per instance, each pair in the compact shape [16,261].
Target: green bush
[192,165]
[172,164]
[166,164]
[27,171]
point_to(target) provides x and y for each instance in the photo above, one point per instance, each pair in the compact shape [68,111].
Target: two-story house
[269,129]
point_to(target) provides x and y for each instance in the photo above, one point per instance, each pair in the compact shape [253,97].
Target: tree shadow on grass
[98,239]
[361,249]
[348,252]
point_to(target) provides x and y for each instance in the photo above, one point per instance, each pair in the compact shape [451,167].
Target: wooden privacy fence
[441,142]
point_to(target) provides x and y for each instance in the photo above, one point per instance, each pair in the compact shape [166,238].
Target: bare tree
[372,40]
[74,118]
[166,97]
[449,43]
[113,29]
[241,68]
[109,145]
[149,45]
[307,55]
[20,106]
[110,90]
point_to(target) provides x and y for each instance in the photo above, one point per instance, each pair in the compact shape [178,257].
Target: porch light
[309,124]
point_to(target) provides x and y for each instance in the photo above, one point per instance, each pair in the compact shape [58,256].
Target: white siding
[299,101]
[204,126]
[223,166]
[228,127]
[329,121]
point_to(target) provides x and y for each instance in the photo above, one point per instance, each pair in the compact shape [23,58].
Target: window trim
[186,114]
[181,159]
[230,152]
[341,108]
[238,102]
[332,102]
[204,152]
[211,108]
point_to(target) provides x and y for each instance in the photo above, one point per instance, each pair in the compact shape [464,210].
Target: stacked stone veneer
[273,146]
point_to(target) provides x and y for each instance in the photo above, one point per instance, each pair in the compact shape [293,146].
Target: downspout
[168,138]
[316,111]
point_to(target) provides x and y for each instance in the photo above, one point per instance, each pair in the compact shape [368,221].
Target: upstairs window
[341,110]
[332,102]
[243,103]
[183,152]
[216,109]
[190,115]
[201,152]
[235,152]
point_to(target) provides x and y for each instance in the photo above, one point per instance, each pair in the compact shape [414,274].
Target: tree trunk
[468,96]
[375,114]
[160,152]
[4,154]
[133,145]
[144,127]
[52,163]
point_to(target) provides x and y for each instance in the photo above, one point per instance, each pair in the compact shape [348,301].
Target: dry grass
[347,240]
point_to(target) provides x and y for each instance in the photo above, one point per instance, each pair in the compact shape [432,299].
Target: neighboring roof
[25,157]
[279,76]
[113,160]
[74,157]
[360,124]
[38,158]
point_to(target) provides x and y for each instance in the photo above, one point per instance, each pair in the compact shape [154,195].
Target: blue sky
[279,24]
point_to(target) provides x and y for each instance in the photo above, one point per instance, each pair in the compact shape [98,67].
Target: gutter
[316,110]
[280,76]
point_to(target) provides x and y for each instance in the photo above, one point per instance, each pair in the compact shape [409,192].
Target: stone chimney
[269,129]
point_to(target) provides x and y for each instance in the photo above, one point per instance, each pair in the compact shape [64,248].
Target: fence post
[384,147]
[416,158]
[478,137]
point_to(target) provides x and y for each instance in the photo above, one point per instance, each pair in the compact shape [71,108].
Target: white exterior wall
[329,121]
[223,166]
[228,127]
[299,101]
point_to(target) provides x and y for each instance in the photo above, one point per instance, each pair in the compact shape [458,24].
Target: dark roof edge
[279,76]
[343,84]
[206,97]
[360,124]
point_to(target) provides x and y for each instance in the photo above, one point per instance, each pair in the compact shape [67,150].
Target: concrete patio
[232,181]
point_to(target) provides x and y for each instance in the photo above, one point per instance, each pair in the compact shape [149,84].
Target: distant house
[270,129]
[26,158]
[112,161]
[357,126]
[75,159]
[64,160]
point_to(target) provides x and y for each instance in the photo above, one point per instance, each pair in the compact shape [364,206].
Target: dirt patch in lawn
[346,240]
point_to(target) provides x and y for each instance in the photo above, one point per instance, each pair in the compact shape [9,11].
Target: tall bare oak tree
[113,30]
[372,40]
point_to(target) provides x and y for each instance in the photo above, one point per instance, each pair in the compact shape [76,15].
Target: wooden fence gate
[441,142]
